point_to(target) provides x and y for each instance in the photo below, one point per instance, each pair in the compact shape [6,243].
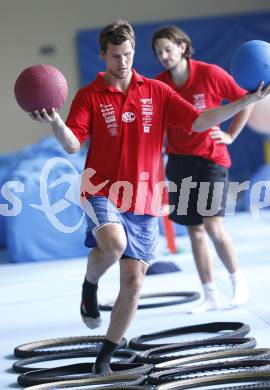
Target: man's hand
[220,136]
[43,117]
[261,93]
[62,133]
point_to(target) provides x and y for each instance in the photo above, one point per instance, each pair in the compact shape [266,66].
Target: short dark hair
[174,34]
[116,33]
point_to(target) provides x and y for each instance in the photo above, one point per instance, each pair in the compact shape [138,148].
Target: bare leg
[226,252]
[204,265]
[222,242]
[111,240]
[132,274]
[201,253]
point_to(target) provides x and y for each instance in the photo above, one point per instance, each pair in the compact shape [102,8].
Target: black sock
[89,304]
[102,364]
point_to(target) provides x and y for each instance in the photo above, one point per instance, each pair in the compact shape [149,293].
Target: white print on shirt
[199,101]
[108,114]
[110,119]
[147,114]
[146,101]
[128,117]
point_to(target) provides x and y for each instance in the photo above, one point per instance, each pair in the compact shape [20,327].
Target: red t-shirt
[126,136]
[208,85]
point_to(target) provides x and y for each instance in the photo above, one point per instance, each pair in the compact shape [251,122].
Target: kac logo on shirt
[128,117]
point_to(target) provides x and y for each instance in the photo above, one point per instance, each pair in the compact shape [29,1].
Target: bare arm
[211,117]
[239,122]
[62,133]
[235,128]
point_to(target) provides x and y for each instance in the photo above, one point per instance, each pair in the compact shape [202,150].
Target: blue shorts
[141,230]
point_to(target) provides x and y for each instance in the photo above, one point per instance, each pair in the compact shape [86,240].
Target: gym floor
[41,300]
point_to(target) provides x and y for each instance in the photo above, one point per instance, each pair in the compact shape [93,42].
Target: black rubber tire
[131,381]
[217,368]
[186,296]
[80,371]
[261,385]
[114,386]
[256,386]
[159,354]
[208,380]
[24,365]
[229,329]
[255,353]
[36,348]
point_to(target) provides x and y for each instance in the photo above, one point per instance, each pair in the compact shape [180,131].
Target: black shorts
[197,188]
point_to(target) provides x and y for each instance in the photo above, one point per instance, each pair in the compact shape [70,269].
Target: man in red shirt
[125,115]
[202,156]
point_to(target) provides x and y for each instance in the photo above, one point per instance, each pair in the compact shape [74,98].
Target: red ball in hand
[41,86]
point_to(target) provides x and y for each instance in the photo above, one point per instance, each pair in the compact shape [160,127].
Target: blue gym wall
[214,40]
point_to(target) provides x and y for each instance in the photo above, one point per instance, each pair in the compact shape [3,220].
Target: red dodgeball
[41,86]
